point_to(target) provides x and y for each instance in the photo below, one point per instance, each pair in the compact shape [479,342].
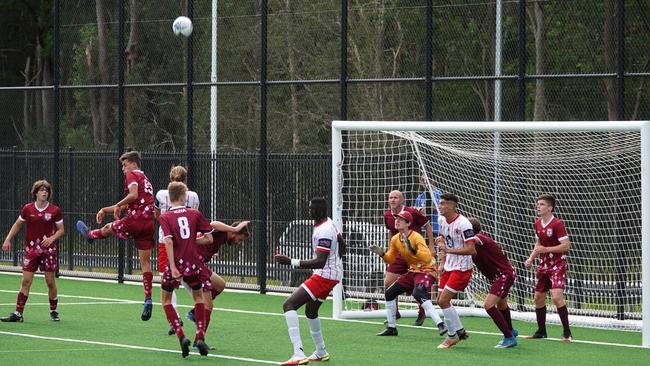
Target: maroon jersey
[143,206]
[489,258]
[418,220]
[41,223]
[182,224]
[207,251]
[550,235]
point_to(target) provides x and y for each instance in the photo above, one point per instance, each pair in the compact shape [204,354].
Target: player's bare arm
[206,239]
[56,236]
[529,262]
[15,228]
[314,263]
[225,228]
[430,242]
[468,249]
[562,248]
[169,248]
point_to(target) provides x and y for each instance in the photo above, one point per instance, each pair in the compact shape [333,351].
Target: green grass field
[100,325]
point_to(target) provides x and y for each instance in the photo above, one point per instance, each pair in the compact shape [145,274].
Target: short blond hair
[176,190]
[178,174]
[41,184]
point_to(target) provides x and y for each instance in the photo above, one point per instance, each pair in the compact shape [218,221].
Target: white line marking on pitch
[83,341]
[341,320]
[78,303]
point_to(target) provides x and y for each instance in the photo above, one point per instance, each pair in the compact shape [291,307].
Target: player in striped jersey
[329,248]
[456,243]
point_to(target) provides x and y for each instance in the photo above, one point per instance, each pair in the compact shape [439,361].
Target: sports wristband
[295,262]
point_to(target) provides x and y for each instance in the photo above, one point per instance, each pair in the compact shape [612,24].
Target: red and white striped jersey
[456,233]
[325,238]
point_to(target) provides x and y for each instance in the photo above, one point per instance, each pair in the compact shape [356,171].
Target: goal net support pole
[341,296]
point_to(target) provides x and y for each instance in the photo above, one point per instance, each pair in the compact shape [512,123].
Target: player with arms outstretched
[329,248]
[233,235]
[494,265]
[138,224]
[456,243]
[399,266]
[44,223]
[409,244]
[551,248]
[180,226]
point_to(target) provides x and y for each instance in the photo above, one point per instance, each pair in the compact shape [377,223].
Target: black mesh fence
[77,89]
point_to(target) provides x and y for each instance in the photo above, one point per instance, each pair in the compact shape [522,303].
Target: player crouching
[329,248]
[419,278]
[180,226]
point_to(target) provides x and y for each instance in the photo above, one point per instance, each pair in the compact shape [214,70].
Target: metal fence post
[622,260]
[120,126]
[344,60]
[428,78]
[70,227]
[190,99]
[14,197]
[262,157]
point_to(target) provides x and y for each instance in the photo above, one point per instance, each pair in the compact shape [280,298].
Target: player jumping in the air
[44,227]
[180,226]
[409,244]
[138,224]
[551,248]
[494,265]
[329,248]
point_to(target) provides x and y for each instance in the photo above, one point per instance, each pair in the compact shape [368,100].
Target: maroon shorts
[411,279]
[399,267]
[551,279]
[140,230]
[195,275]
[44,258]
[502,284]
[318,287]
[454,281]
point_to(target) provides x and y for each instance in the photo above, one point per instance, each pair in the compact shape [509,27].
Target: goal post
[599,171]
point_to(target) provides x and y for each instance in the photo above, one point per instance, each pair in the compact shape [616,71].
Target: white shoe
[294,360]
[315,358]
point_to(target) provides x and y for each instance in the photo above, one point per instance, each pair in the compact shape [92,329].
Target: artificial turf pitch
[100,325]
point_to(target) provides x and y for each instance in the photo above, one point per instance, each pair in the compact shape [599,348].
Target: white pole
[337,211]
[497,64]
[645,233]
[213,115]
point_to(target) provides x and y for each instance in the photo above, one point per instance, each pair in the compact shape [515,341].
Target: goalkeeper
[419,278]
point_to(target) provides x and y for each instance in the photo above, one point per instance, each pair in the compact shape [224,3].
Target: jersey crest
[48,216]
[549,232]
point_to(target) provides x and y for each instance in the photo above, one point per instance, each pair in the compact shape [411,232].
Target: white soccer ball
[182,26]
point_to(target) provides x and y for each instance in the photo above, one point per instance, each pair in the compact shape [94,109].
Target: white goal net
[497,170]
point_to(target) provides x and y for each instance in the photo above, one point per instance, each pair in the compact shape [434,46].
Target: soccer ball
[182,26]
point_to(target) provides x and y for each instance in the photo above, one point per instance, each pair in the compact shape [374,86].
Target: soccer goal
[598,171]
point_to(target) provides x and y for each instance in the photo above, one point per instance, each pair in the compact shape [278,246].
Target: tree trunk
[27,95]
[131,51]
[38,107]
[609,39]
[105,95]
[295,138]
[539,109]
[93,94]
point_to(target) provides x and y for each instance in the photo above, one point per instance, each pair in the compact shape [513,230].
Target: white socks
[291,317]
[317,336]
[391,313]
[452,320]
[430,310]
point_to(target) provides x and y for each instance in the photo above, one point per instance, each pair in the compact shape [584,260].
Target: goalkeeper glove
[377,250]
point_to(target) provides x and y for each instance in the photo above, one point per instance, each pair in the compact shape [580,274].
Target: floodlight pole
[213,115]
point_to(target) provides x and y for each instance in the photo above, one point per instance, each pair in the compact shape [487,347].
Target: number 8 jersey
[182,224]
